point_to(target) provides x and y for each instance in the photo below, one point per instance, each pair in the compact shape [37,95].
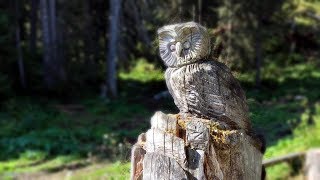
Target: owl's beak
[178,49]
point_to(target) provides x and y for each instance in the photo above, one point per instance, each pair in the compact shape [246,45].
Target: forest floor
[90,138]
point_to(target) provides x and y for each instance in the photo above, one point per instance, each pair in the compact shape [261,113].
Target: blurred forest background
[79,80]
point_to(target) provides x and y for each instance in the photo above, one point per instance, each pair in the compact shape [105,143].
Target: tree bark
[53,32]
[194,148]
[33,23]
[111,79]
[53,70]
[18,47]
[47,58]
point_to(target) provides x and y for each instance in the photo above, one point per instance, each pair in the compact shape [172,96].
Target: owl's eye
[172,47]
[186,45]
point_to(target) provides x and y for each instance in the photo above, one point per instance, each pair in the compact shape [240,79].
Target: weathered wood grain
[197,135]
[137,156]
[166,144]
[203,151]
[161,167]
[163,122]
[312,166]
[208,89]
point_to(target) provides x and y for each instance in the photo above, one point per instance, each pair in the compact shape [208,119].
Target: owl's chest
[196,87]
[195,79]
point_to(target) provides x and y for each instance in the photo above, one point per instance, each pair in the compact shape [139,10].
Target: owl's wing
[213,92]
[234,96]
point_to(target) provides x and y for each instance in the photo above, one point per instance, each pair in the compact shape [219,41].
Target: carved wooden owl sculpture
[200,86]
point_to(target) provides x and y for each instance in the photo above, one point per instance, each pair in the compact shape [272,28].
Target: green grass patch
[12,168]
[304,137]
[115,171]
[143,71]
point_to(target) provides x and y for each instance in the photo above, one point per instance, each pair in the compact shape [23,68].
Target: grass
[288,133]
[115,171]
[61,168]
[304,137]
[67,142]
[287,112]
[42,137]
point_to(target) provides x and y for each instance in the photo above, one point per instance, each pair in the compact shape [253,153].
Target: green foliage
[143,71]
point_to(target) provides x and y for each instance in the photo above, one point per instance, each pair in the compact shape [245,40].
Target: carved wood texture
[208,89]
[194,148]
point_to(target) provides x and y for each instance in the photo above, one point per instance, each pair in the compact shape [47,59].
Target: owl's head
[184,43]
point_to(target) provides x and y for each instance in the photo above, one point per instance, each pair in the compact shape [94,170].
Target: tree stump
[182,147]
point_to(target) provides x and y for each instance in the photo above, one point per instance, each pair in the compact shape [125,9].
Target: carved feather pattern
[208,89]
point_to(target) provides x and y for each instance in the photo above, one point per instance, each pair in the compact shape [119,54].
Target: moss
[221,137]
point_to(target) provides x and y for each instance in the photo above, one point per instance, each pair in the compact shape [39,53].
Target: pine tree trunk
[47,48]
[53,70]
[53,33]
[111,79]
[18,47]
[57,59]
[33,28]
